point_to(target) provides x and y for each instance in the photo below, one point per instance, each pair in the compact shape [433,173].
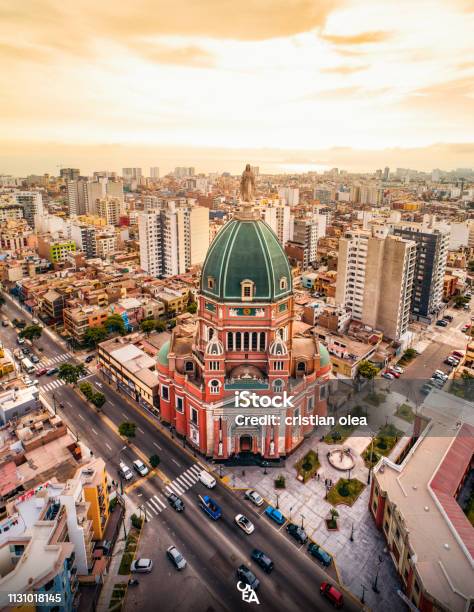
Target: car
[262,559]
[440,374]
[125,471]
[387,375]
[30,383]
[34,359]
[248,577]
[141,566]
[176,557]
[397,368]
[457,354]
[439,384]
[468,295]
[448,317]
[254,497]
[275,515]
[332,594]
[52,371]
[466,307]
[426,388]
[297,532]
[318,553]
[41,371]
[244,523]
[393,372]
[441,323]
[4,323]
[175,502]
[207,480]
[140,467]
[89,358]
[451,361]
[25,350]
[466,328]
[20,340]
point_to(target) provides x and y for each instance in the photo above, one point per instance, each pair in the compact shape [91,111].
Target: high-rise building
[172,238]
[109,209]
[370,194]
[291,195]
[32,203]
[69,174]
[305,233]
[77,196]
[386,173]
[182,171]
[129,174]
[322,194]
[431,255]
[375,279]
[83,194]
[154,172]
[278,217]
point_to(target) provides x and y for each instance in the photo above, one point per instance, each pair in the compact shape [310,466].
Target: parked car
[176,557]
[41,371]
[440,374]
[318,553]
[452,361]
[457,354]
[248,577]
[141,566]
[441,323]
[52,371]
[426,388]
[25,350]
[387,375]
[244,523]
[254,497]
[393,372]
[89,358]
[207,480]
[332,594]
[397,368]
[275,515]
[140,467]
[34,358]
[466,328]
[175,502]
[297,532]
[262,559]
[439,384]
[448,318]
[125,471]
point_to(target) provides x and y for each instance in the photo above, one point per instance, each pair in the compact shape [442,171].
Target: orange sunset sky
[289,85]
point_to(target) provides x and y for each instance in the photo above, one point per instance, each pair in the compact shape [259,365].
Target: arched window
[246,341]
[283,283]
[211,282]
[278,385]
[248,290]
[301,367]
[189,366]
[230,341]
[254,341]
[214,386]
[210,333]
[238,341]
[262,341]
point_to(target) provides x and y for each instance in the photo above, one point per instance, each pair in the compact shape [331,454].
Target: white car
[125,471]
[141,566]
[397,368]
[440,374]
[140,467]
[207,480]
[244,523]
[254,497]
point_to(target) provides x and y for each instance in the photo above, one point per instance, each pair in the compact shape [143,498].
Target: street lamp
[352,533]
[374,584]
[220,470]
[54,403]
[278,499]
[302,521]
[291,508]
[265,468]
[362,599]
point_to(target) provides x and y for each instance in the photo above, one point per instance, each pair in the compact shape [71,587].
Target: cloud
[13,53]
[363,38]
[344,69]
[190,55]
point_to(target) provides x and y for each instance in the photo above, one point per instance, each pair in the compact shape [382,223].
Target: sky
[289,85]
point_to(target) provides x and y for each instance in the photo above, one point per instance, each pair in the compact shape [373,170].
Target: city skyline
[298,87]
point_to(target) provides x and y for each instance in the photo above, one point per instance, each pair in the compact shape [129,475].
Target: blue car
[275,515]
[321,555]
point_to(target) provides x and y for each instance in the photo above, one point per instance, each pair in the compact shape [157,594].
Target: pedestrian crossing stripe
[53,385]
[56,359]
[176,488]
[187,480]
[155,499]
[151,509]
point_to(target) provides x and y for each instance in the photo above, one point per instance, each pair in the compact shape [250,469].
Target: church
[243,340]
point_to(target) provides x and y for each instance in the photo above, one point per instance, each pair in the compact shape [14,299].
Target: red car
[394,373]
[41,371]
[332,594]
[457,354]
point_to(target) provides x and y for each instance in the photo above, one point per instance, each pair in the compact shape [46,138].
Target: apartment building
[304,236]
[289,195]
[109,209]
[78,319]
[430,267]
[32,204]
[55,249]
[375,279]
[278,217]
[130,174]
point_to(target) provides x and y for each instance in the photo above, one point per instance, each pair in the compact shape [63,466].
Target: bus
[27,366]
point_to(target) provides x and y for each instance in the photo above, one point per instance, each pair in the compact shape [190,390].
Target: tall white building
[129,174]
[290,195]
[109,209]
[32,204]
[183,171]
[278,218]
[172,237]
[306,232]
[154,172]
[375,275]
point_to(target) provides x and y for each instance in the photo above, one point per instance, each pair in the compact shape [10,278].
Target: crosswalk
[53,385]
[179,485]
[48,361]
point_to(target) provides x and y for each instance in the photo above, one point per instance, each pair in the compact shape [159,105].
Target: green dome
[246,250]
[163,353]
[324,358]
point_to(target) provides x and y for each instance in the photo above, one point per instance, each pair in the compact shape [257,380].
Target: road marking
[81,417]
[99,384]
[195,469]
[140,430]
[94,431]
[175,488]
[182,483]
[108,446]
[157,445]
[69,404]
[125,415]
[174,461]
[152,508]
[159,501]
[187,480]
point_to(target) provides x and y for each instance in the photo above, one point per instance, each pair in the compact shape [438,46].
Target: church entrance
[245,444]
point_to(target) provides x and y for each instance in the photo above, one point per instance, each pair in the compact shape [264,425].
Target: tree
[367,370]
[32,332]
[459,301]
[71,373]
[154,461]
[2,300]
[98,399]
[127,429]
[192,307]
[115,323]
[147,326]
[160,326]
[94,335]
[172,323]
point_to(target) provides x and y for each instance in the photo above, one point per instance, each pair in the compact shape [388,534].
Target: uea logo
[248,594]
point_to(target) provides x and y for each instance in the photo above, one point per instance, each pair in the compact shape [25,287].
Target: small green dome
[246,250]
[324,357]
[163,353]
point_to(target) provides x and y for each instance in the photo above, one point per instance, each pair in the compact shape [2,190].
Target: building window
[165,392]
[248,290]
[278,385]
[230,341]
[301,367]
[262,341]
[179,404]
[278,365]
[214,386]
[194,416]
[211,282]
[213,365]
[189,367]
[283,283]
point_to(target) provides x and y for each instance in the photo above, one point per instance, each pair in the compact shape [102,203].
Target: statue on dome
[247,185]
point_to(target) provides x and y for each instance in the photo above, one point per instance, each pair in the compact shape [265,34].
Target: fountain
[341,458]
